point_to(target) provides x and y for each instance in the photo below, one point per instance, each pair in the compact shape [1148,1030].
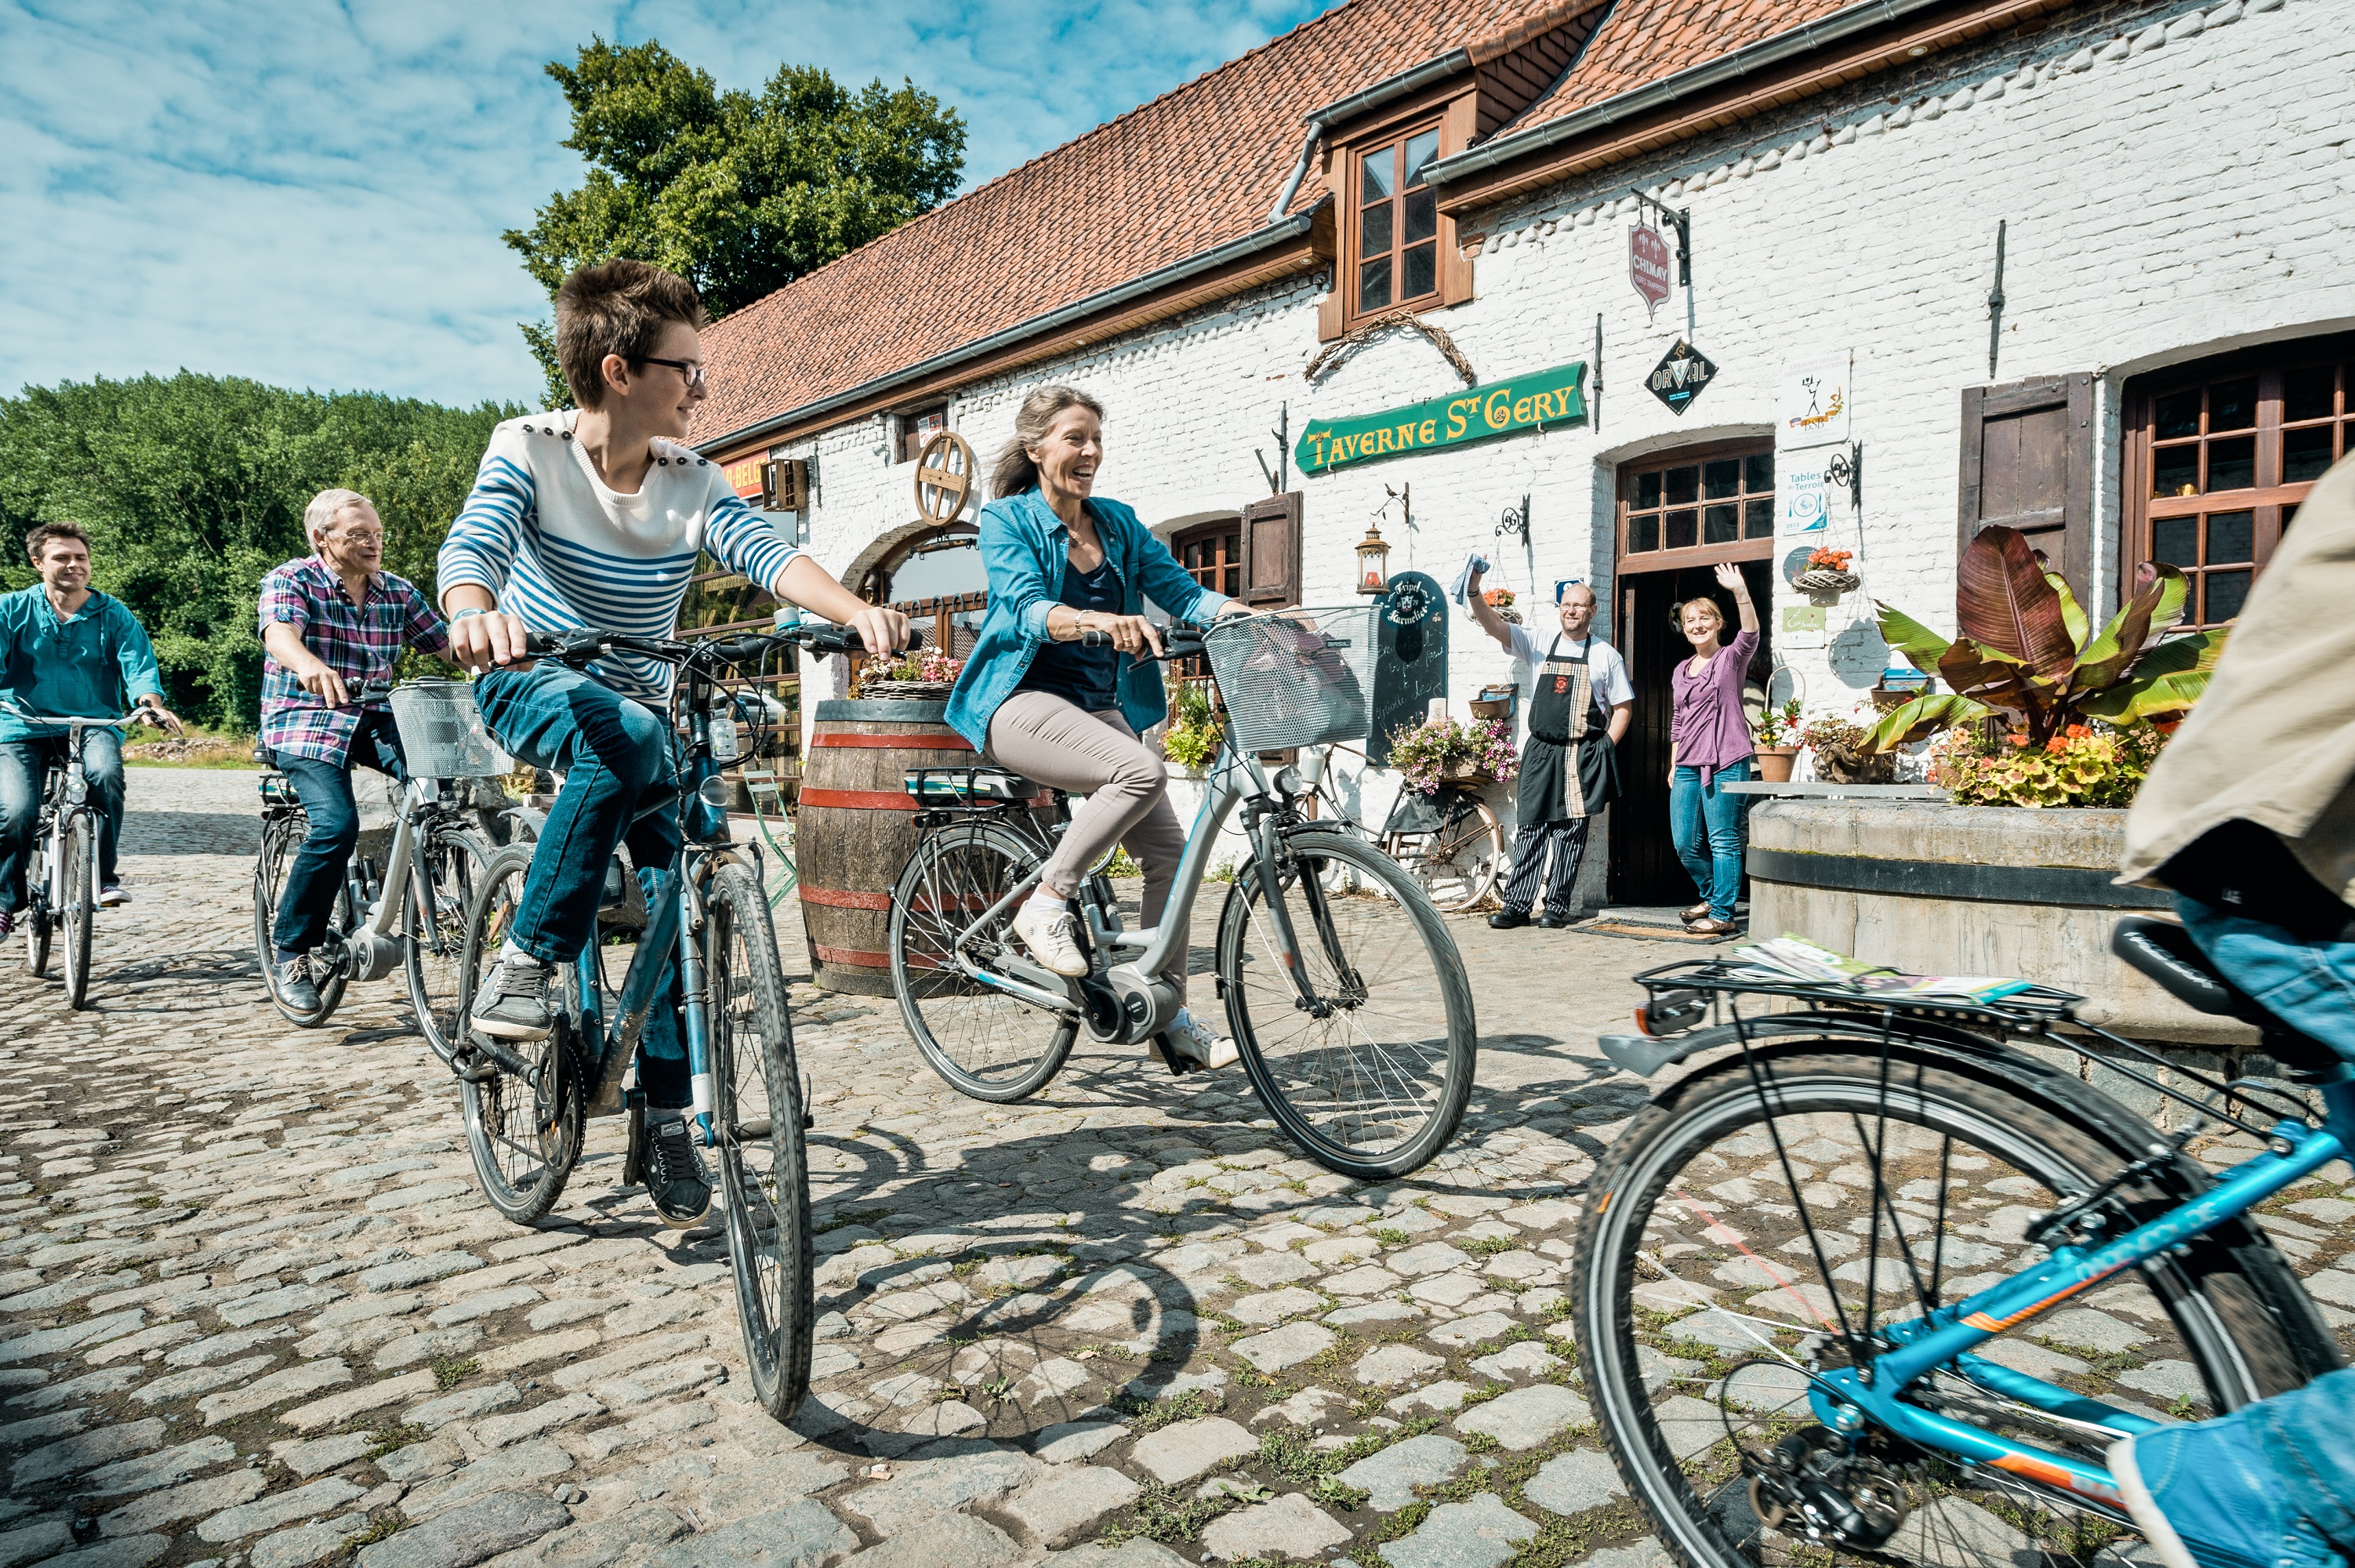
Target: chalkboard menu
[1413,667]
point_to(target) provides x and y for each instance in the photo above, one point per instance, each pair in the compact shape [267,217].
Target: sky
[313,195]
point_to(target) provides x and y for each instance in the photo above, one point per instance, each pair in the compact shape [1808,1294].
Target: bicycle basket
[442,734]
[1298,677]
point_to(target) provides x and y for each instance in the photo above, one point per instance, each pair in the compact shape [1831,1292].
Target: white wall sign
[1799,495]
[1814,406]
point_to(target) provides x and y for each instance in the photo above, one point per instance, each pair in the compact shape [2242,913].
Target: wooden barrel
[856,829]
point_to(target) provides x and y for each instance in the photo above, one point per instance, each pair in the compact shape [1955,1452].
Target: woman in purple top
[1709,748]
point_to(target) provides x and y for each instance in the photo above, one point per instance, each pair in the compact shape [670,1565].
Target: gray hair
[325,508]
[1015,470]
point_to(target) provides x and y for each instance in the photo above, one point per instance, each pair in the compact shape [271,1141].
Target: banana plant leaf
[1924,716]
[1922,647]
[1973,669]
[2170,678]
[2073,614]
[2158,605]
[2002,600]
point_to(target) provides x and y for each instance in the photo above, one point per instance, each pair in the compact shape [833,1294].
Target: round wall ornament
[944,476]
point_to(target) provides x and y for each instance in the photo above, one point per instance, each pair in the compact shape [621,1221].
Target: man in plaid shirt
[331,622]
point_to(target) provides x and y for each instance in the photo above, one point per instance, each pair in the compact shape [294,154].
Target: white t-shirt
[1606,668]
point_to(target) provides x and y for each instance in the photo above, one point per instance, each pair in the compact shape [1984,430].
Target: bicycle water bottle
[787,617]
[720,729]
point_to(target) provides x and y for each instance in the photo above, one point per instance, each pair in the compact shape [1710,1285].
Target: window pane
[1374,231]
[2175,470]
[1643,533]
[2231,536]
[2175,541]
[1758,519]
[1421,216]
[1721,478]
[2306,393]
[1422,273]
[1679,532]
[1758,472]
[2226,592]
[2232,405]
[1420,150]
[1647,490]
[1375,182]
[2305,453]
[1684,483]
[1720,525]
[2176,414]
[2233,465]
[1374,284]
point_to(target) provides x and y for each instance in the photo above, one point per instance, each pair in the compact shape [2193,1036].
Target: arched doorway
[931,573]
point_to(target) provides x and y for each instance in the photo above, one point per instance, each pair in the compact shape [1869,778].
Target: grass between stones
[385,1439]
[449,1371]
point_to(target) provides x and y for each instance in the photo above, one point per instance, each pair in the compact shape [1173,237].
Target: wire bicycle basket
[443,733]
[1300,676]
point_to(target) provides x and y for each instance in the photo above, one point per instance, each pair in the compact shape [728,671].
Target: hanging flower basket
[1824,580]
[913,677]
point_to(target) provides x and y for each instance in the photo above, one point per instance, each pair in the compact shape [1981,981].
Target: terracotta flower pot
[1774,763]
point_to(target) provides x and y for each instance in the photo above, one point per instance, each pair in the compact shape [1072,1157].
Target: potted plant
[1500,599]
[1444,751]
[1192,739]
[1827,572]
[1843,749]
[1778,741]
[911,677]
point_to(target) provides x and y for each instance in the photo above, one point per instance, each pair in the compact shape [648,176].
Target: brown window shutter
[1271,551]
[1329,312]
[1456,128]
[2028,463]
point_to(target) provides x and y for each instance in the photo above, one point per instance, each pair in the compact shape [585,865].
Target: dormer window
[1397,224]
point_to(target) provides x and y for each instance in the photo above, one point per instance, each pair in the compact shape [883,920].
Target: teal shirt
[87,666]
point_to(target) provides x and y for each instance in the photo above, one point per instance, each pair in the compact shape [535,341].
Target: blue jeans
[614,755]
[1706,821]
[307,901]
[23,764]
[2310,986]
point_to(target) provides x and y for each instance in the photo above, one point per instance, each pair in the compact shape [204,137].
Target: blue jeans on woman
[307,902]
[1705,820]
[22,766]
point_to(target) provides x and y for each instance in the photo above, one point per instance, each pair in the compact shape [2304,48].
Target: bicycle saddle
[2165,952]
[968,784]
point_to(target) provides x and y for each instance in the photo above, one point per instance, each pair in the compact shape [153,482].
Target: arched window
[936,577]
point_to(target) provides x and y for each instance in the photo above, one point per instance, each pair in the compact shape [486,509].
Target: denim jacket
[1024,545]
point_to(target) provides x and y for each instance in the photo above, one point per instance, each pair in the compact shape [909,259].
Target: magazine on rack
[1794,958]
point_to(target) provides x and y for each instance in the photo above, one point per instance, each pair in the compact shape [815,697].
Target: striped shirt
[561,551]
[359,641]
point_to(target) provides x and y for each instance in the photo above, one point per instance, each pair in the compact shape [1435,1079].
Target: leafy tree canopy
[191,487]
[740,193]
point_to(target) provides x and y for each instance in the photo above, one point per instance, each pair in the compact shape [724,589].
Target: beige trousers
[1057,742]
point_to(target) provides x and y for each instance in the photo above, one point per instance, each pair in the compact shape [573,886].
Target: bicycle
[528,1102]
[61,873]
[1350,1010]
[1857,1408]
[415,906]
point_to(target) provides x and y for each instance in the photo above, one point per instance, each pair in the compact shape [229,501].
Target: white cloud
[313,195]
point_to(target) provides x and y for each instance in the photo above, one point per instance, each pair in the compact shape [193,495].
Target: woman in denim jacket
[1062,563]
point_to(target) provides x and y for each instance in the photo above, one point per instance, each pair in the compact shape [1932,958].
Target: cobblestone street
[254,1311]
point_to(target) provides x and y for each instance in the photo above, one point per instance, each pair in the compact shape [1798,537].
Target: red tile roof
[1643,40]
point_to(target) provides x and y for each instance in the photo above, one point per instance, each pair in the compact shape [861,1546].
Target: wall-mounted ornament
[944,477]
[1681,375]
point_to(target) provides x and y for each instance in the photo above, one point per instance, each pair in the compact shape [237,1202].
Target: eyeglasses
[360,536]
[690,368]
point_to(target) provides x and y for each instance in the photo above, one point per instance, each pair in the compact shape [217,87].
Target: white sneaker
[1052,937]
[1199,1045]
[110,894]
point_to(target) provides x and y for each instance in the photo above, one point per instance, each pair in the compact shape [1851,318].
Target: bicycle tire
[1457,864]
[1430,1007]
[2230,1299]
[282,841]
[80,908]
[455,857]
[524,1134]
[984,1044]
[757,1109]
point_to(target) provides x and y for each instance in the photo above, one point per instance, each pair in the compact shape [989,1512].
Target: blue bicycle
[1871,1280]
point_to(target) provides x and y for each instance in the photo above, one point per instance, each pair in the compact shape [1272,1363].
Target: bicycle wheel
[35,913]
[983,1042]
[1457,866]
[282,841]
[434,942]
[523,1131]
[764,1166]
[1376,1083]
[1866,1195]
[78,907]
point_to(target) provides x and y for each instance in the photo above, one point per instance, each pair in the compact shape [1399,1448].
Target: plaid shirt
[358,642]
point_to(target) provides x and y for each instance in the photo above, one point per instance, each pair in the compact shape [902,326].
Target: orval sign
[1649,265]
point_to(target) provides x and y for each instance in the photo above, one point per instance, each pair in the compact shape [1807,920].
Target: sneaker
[2206,1495]
[295,988]
[8,922]
[512,1002]
[112,894]
[674,1175]
[1052,938]
[1199,1045]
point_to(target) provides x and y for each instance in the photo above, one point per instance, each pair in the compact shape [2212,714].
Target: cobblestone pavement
[253,1311]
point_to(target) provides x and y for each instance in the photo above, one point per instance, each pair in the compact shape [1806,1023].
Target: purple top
[1707,727]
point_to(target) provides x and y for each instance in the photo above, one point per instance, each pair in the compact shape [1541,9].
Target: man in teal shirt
[65,649]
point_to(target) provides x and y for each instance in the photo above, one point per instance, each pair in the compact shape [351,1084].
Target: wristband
[456,615]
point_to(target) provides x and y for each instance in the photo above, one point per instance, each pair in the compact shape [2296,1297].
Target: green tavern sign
[1495,408]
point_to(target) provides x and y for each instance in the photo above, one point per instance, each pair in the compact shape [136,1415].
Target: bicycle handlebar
[1180,640]
[583,645]
[77,722]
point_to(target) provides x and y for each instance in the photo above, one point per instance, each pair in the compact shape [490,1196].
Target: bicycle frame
[372,951]
[74,801]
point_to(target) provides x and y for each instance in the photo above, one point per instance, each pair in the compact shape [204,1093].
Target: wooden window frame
[912,443]
[1230,531]
[1745,549]
[1453,119]
[2273,503]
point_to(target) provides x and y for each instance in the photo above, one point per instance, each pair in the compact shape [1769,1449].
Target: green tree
[192,486]
[739,193]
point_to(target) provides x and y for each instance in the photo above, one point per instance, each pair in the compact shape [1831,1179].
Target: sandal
[1711,928]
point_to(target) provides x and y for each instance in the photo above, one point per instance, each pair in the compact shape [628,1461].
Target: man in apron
[1582,705]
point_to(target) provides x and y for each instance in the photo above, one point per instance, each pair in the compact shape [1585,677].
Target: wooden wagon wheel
[944,475]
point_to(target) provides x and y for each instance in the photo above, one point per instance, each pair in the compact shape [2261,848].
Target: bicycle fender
[1643,1055]
[530,819]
